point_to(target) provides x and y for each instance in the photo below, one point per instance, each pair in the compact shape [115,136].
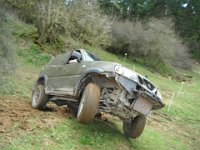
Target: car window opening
[75,57]
[91,57]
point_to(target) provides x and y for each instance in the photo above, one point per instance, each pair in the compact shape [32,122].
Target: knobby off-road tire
[39,98]
[135,127]
[89,103]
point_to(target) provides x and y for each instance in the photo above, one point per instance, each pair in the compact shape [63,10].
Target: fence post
[171,101]
[180,89]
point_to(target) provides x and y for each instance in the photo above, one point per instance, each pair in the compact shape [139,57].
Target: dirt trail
[16,113]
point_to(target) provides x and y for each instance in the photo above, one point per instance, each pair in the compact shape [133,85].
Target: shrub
[79,19]
[153,43]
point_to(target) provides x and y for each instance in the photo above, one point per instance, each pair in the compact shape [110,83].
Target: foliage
[77,19]
[24,8]
[154,43]
[83,21]
[187,23]
[186,14]
[87,24]
[133,10]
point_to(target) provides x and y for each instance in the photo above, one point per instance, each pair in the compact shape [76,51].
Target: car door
[62,78]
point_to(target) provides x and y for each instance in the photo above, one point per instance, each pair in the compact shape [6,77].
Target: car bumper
[143,101]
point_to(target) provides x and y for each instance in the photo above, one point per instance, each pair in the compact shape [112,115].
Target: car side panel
[62,78]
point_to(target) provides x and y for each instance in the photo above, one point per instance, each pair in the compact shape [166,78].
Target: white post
[171,101]
[180,89]
[125,57]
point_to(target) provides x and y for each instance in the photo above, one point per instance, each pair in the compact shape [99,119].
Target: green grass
[33,55]
[97,135]
[29,62]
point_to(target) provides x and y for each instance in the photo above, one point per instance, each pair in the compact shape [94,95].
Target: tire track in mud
[17,115]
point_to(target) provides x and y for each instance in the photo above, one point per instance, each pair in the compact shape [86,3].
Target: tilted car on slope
[85,83]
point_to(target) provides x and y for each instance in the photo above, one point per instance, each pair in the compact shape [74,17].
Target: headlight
[126,72]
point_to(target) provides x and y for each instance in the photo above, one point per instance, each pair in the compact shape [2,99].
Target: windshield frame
[90,57]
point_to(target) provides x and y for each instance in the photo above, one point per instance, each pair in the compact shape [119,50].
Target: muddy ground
[16,116]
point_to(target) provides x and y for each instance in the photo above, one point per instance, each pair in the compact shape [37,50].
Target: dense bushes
[86,23]
[79,19]
[186,14]
[153,43]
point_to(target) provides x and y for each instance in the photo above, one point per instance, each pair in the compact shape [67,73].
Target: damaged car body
[88,85]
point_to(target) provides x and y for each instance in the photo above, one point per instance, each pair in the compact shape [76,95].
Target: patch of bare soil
[16,115]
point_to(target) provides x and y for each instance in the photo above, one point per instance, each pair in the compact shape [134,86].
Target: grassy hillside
[177,128]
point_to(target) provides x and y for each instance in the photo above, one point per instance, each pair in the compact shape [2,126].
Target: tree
[132,10]
[187,23]
[79,19]
[186,14]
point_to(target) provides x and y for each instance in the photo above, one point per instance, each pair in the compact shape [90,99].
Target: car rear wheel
[135,127]
[89,103]
[39,98]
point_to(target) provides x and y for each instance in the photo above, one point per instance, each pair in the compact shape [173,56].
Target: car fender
[40,78]
[93,70]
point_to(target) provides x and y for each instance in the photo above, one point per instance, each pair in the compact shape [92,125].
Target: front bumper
[138,98]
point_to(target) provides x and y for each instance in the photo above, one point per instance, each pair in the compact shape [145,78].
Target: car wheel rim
[36,96]
[81,105]
[80,109]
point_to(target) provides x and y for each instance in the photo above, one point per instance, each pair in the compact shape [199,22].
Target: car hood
[105,66]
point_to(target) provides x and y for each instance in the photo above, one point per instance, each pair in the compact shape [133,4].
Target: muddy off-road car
[88,85]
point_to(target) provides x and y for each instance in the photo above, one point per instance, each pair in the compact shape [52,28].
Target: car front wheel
[89,103]
[39,98]
[135,127]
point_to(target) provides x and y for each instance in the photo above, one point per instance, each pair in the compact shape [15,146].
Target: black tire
[89,103]
[135,127]
[39,98]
